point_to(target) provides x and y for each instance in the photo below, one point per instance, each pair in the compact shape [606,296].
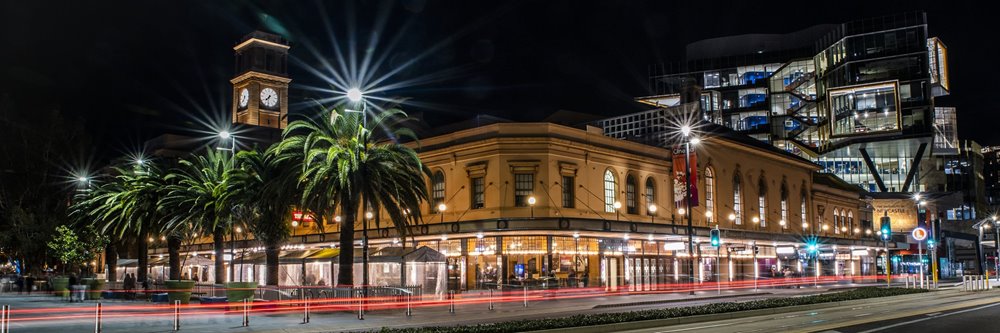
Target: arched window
[762,202]
[631,204]
[709,194]
[804,211]
[850,222]
[836,221]
[784,207]
[437,189]
[650,194]
[737,204]
[609,191]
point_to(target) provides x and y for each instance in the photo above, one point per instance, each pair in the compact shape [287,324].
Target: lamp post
[617,205]
[355,95]
[688,140]
[441,208]
[226,136]
[652,212]
[531,204]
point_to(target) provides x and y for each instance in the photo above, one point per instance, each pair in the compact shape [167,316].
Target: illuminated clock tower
[260,88]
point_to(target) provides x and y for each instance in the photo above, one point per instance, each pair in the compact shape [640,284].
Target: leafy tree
[346,164]
[72,249]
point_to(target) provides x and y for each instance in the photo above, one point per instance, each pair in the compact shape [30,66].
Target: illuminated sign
[860,253]
[919,234]
[674,246]
[785,250]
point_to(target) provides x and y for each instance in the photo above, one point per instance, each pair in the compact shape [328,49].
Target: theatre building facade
[516,203]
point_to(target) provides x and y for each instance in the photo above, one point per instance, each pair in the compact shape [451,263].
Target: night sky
[134,69]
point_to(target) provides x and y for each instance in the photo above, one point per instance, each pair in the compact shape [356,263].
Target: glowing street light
[531,204]
[354,95]
[652,212]
[617,205]
[441,208]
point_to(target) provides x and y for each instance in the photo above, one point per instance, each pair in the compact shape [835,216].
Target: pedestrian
[29,283]
[20,284]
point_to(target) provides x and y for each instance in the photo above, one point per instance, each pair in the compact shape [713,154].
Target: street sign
[919,233]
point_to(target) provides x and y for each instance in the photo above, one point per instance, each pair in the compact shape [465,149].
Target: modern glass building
[856,98]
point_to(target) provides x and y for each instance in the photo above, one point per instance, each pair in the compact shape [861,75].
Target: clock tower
[260,88]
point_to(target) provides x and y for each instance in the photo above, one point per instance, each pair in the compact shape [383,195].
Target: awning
[401,254]
[296,257]
[323,254]
[250,258]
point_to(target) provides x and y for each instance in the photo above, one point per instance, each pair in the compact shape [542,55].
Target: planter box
[179,290]
[60,286]
[238,291]
[94,287]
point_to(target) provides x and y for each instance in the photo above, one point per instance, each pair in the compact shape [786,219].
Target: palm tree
[126,205]
[266,195]
[198,195]
[346,164]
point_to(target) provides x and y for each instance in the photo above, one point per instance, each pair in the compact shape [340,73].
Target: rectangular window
[478,195]
[524,186]
[568,192]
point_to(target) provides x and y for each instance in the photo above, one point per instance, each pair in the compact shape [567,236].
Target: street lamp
[355,95]
[441,208]
[531,203]
[617,205]
[652,212]
[688,141]
[226,136]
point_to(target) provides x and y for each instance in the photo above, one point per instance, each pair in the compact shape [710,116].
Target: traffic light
[716,237]
[886,227]
[930,243]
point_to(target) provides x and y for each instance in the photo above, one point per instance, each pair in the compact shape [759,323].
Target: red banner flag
[679,188]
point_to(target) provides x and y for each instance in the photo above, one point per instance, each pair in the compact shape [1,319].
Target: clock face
[244,97]
[269,97]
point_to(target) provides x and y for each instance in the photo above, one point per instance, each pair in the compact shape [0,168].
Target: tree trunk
[174,256]
[345,274]
[111,257]
[218,238]
[142,255]
[271,261]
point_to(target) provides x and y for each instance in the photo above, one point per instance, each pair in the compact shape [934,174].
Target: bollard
[525,296]
[246,312]
[965,282]
[491,299]
[409,300]
[361,308]
[451,294]
[305,311]
[177,315]
[4,318]
[97,321]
